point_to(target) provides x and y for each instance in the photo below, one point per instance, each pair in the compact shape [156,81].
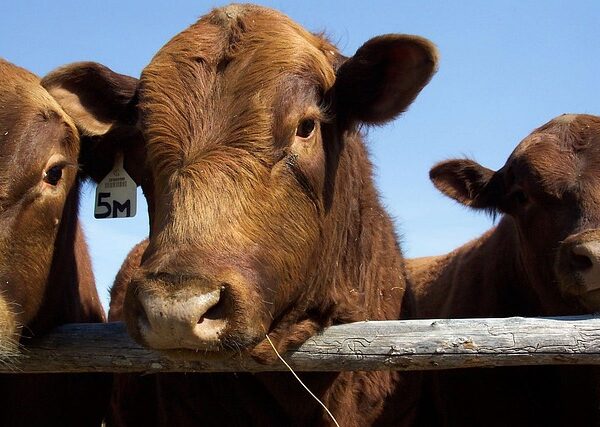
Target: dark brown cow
[263,214]
[541,259]
[45,271]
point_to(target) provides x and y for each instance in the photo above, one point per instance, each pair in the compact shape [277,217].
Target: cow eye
[53,175]
[306,128]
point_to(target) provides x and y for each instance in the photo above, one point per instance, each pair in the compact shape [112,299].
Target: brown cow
[263,214]
[45,271]
[541,259]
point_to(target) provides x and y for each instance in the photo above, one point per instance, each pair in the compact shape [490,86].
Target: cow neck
[70,273]
[504,272]
[496,275]
[537,271]
[366,280]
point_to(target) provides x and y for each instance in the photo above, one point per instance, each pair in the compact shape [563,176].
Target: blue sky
[506,68]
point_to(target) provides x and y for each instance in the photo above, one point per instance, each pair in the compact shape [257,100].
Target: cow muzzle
[578,265]
[193,317]
[586,259]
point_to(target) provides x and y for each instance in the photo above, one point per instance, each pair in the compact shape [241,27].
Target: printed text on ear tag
[116,195]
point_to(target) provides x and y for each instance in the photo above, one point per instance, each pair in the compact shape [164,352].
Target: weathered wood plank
[397,345]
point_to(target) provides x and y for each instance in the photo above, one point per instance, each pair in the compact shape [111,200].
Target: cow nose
[585,259]
[182,320]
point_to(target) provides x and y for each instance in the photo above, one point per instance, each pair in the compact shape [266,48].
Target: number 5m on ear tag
[116,195]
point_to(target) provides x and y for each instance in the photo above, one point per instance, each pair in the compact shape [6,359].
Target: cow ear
[468,183]
[383,78]
[102,104]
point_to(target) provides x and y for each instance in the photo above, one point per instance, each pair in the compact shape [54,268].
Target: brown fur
[273,213]
[125,275]
[46,276]
[259,188]
[549,194]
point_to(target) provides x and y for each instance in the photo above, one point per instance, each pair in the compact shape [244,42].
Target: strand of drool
[300,381]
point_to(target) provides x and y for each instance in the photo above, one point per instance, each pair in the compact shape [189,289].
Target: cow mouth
[574,289]
[222,350]
[588,299]
[591,301]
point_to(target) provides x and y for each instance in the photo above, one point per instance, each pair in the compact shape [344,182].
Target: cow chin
[582,290]
[591,301]
[573,289]
[225,348]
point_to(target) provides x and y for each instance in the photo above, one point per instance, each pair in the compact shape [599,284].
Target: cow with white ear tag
[265,224]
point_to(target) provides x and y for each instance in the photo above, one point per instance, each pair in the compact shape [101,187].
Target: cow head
[39,148]
[550,187]
[253,167]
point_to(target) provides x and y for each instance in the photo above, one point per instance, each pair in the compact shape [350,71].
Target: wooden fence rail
[376,345]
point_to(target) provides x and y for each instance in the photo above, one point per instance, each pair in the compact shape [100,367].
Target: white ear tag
[116,195]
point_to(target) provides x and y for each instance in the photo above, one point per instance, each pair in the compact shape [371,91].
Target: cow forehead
[263,43]
[222,76]
[22,91]
[12,78]
[32,124]
[561,154]
[565,133]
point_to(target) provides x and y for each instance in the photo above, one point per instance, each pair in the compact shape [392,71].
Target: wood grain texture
[390,345]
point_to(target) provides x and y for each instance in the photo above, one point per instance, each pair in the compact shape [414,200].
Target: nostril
[581,262]
[217,311]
